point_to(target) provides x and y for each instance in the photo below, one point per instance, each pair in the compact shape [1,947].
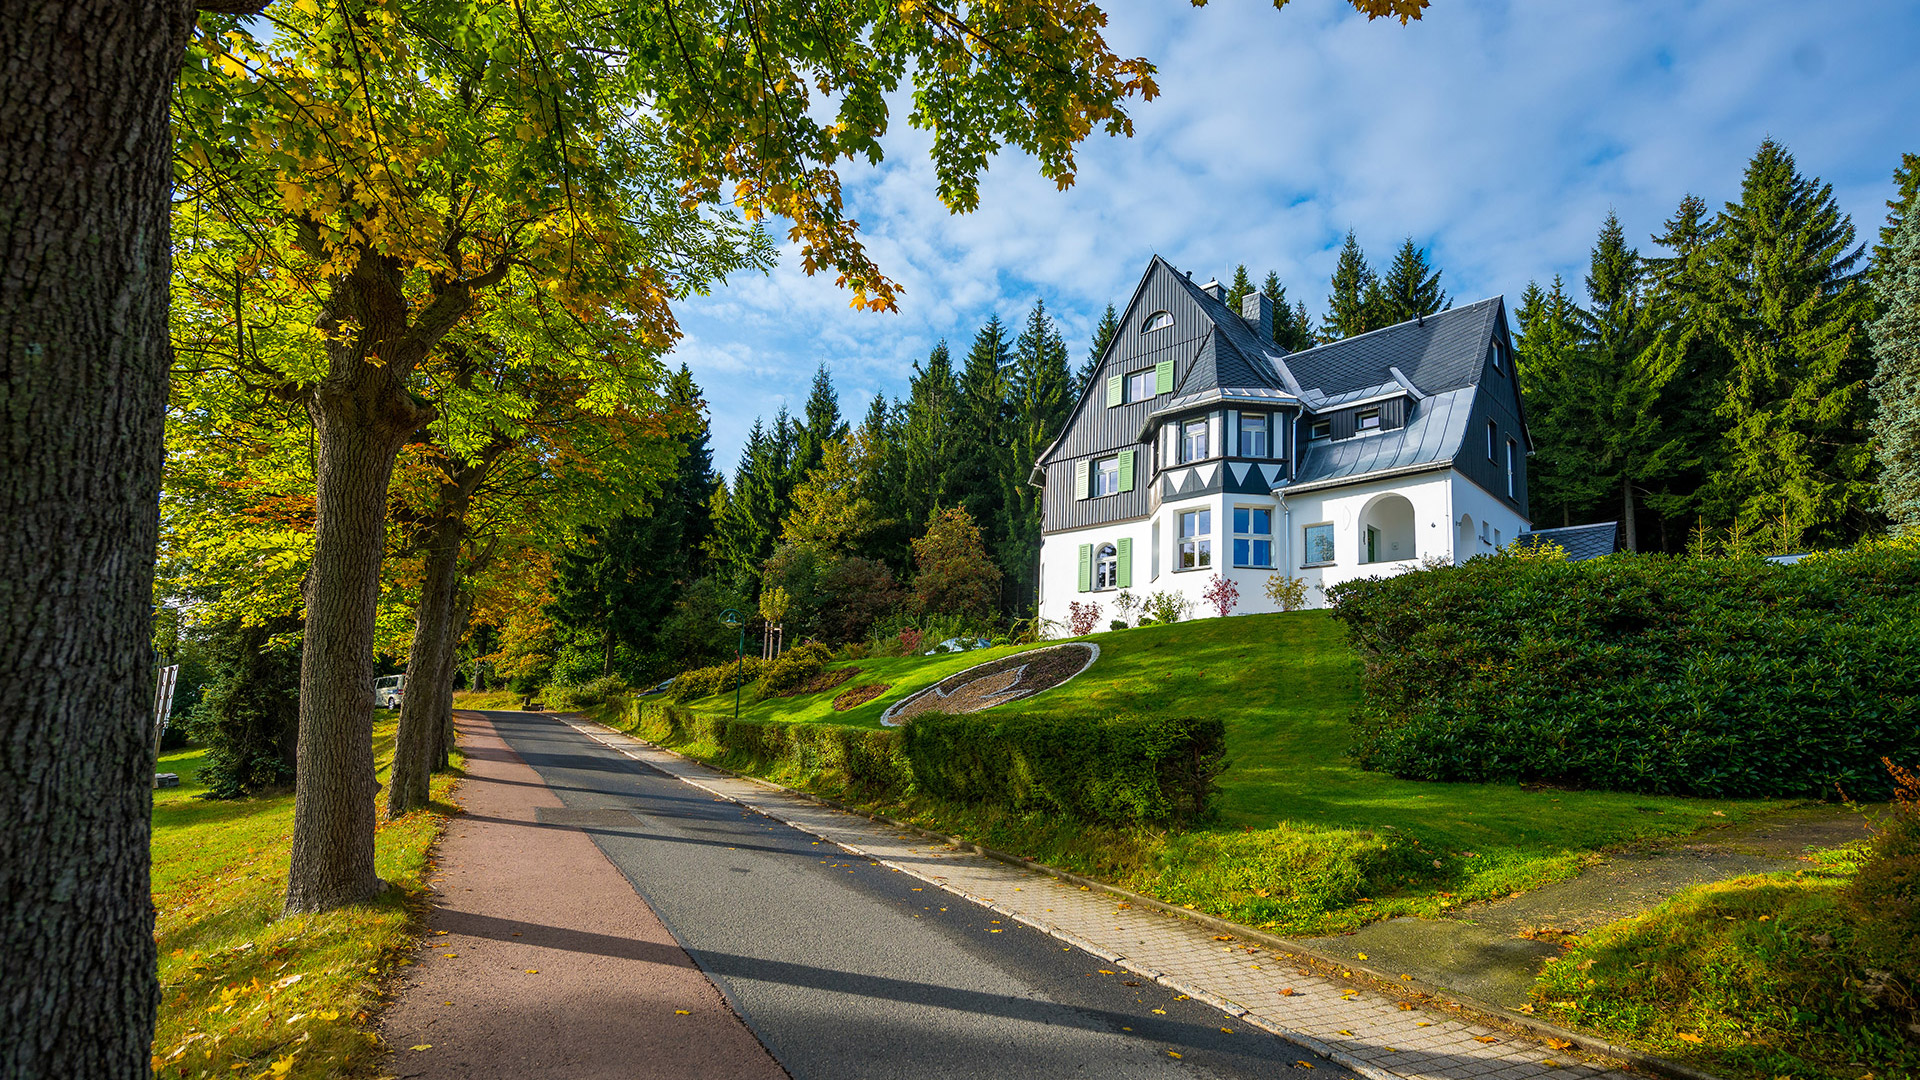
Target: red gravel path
[607,985]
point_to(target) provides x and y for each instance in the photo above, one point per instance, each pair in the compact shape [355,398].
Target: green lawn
[244,992]
[1306,842]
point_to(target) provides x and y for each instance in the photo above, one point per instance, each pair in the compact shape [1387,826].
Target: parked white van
[387,691]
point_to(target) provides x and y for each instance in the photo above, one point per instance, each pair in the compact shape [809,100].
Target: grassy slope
[1306,843]
[246,993]
[1726,977]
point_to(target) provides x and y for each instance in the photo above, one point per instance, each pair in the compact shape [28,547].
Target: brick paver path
[1371,1033]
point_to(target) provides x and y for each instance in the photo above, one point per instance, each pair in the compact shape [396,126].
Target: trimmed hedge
[1122,771]
[1127,769]
[1651,673]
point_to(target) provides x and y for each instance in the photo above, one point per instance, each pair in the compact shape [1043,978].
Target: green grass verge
[1306,843]
[1729,978]
[245,992]
[486,699]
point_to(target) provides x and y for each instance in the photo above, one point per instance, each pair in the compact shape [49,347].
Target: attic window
[1320,429]
[1159,320]
[1368,420]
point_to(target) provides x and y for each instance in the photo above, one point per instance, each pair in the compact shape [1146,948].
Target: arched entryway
[1465,543]
[1386,530]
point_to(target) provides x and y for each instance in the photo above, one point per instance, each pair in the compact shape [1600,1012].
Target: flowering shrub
[1082,618]
[1287,591]
[1222,595]
[909,641]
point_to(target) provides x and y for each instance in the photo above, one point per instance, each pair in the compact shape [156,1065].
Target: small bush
[1164,606]
[248,718]
[565,698]
[1885,894]
[793,668]
[1082,618]
[701,682]
[1117,624]
[1728,678]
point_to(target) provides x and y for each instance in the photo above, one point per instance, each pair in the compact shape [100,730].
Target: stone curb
[1499,1015]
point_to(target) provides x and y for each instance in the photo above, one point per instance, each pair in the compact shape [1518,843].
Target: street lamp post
[732,621]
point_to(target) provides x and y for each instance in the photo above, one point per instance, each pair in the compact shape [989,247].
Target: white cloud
[1498,134]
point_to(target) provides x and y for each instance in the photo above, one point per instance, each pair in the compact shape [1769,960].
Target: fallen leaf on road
[1558,1044]
[1303,1064]
[533,971]
[1227,1030]
[422,1046]
[1172,1054]
[450,955]
[1130,982]
[683,1012]
[1104,971]
[1288,992]
[1160,1012]
[1486,1039]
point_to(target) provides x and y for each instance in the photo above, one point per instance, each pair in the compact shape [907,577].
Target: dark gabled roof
[1232,355]
[1442,352]
[1435,428]
[1582,542]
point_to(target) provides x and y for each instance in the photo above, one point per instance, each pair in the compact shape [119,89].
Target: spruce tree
[1038,386]
[928,439]
[1906,188]
[1896,381]
[1547,361]
[1103,333]
[748,514]
[1791,311]
[1292,328]
[1353,298]
[1240,289]
[1410,289]
[981,452]
[821,425]
[1683,285]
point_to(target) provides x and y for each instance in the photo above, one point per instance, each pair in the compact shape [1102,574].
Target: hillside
[1306,842]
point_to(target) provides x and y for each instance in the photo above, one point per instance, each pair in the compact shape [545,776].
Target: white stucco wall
[1437,500]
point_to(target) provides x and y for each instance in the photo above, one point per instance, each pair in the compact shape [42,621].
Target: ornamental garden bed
[997,682]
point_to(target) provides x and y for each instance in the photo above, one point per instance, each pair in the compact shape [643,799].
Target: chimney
[1257,308]
[1215,289]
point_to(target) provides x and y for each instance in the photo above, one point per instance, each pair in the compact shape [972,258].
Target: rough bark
[443,758]
[1632,534]
[362,415]
[436,633]
[83,378]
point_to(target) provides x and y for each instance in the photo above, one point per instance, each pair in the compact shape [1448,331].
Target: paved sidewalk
[540,960]
[1377,1036]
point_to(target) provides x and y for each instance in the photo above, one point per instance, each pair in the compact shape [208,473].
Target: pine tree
[1038,387]
[1682,286]
[1410,289]
[1103,333]
[1353,298]
[1240,289]
[1896,381]
[1292,328]
[1791,311]
[1906,187]
[981,453]
[748,514]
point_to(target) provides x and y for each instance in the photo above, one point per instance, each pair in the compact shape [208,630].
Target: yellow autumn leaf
[1361,956]
[683,1012]
[533,971]
[1160,1012]
[1688,1037]
[422,1046]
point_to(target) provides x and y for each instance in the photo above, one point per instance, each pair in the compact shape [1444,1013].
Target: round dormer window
[1159,320]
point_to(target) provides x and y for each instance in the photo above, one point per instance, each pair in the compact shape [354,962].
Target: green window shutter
[1114,391]
[1081,478]
[1163,377]
[1125,553]
[1086,567]
[1126,469]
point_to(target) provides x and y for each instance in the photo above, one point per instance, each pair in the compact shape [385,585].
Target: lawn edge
[1329,965]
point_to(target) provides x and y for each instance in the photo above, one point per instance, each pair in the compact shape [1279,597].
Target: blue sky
[1497,134]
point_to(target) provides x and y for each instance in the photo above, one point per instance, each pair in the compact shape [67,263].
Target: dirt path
[1490,951]
[541,960]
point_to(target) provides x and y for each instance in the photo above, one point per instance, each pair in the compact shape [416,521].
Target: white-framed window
[1512,486]
[1320,429]
[1252,536]
[1193,441]
[1493,439]
[1106,567]
[1159,320]
[1106,476]
[1496,540]
[1368,420]
[1319,544]
[1494,354]
[1140,385]
[1253,434]
[1196,540]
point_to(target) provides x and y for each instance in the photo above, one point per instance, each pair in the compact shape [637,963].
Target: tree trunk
[362,415]
[1632,538]
[83,390]
[443,758]
[429,666]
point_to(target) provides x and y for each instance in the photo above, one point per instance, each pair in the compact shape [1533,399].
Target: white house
[1201,448]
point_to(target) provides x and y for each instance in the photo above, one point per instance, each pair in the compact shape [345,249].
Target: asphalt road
[845,969]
